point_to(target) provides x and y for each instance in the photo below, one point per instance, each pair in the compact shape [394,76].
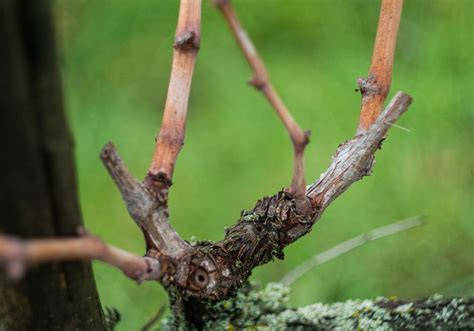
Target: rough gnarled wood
[217,269]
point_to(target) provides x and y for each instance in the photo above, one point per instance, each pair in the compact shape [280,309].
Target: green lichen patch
[267,309]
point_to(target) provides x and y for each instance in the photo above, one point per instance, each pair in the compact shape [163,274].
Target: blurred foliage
[117,58]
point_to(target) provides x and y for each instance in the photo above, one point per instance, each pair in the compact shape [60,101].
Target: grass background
[117,58]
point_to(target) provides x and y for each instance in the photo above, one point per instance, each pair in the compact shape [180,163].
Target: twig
[348,246]
[171,136]
[261,82]
[375,87]
[147,203]
[154,319]
[16,255]
[399,127]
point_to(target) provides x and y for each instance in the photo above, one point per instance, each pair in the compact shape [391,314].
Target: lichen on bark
[268,309]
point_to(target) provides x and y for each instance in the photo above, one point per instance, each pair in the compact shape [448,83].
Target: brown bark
[171,136]
[38,178]
[375,87]
[261,82]
[18,254]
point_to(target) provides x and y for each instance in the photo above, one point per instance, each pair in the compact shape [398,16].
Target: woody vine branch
[213,270]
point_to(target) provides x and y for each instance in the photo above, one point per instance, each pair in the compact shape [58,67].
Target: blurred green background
[117,58]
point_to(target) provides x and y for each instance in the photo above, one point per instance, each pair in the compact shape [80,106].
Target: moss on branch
[267,309]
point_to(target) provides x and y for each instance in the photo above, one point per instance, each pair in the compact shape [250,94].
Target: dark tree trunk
[38,196]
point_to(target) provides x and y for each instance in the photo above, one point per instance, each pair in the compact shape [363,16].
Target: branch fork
[214,270]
